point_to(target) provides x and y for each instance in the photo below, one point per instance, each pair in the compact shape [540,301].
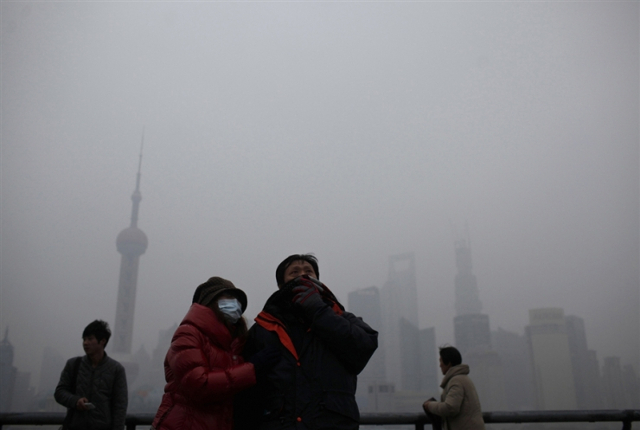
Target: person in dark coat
[94,386]
[322,350]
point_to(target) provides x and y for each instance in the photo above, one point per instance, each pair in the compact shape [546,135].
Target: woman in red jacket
[203,367]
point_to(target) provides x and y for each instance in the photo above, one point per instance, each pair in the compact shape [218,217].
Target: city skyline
[354,131]
[371,296]
[600,356]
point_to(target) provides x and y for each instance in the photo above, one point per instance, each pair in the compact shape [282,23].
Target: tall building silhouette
[365,303]
[518,373]
[551,359]
[621,385]
[399,301]
[586,371]
[467,297]
[8,373]
[419,358]
[52,363]
[409,353]
[23,392]
[473,333]
[147,390]
[131,244]
[471,327]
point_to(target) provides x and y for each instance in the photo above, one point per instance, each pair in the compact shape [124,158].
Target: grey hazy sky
[350,130]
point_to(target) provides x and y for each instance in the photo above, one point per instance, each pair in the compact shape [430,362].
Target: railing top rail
[562,416]
[614,415]
[626,415]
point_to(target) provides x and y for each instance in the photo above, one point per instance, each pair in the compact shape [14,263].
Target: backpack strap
[74,373]
[74,378]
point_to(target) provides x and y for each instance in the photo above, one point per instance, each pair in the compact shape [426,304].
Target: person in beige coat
[459,406]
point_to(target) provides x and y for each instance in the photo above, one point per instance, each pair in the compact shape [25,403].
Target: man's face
[92,346]
[298,268]
[444,367]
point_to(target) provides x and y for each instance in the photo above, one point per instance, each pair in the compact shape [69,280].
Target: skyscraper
[517,370]
[8,373]
[399,300]
[429,381]
[551,359]
[131,244]
[419,358]
[409,353]
[471,327]
[467,297]
[473,333]
[586,372]
[621,384]
[23,392]
[365,303]
[52,364]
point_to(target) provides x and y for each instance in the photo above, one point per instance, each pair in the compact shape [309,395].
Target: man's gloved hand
[310,282]
[265,359]
[308,295]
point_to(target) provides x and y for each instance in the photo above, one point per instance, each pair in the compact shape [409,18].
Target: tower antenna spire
[140,162]
[466,227]
[137,196]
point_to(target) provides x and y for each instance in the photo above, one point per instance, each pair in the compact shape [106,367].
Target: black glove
[308,295]
[266,358]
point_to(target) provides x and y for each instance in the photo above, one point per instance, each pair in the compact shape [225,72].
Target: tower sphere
[132,241]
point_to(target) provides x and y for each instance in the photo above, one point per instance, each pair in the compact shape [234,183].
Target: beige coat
[459,406]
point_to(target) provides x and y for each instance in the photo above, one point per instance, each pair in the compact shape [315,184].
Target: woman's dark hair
[99,329]
[450,355]
[282,267]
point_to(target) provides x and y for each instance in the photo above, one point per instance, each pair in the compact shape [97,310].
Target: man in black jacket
[322,350]
[94,386]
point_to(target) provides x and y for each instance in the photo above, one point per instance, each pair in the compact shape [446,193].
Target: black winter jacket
[313,385]
[105,386]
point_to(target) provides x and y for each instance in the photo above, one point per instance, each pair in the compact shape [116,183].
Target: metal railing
[626,417]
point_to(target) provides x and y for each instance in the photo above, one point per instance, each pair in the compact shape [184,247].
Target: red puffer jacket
[203,369]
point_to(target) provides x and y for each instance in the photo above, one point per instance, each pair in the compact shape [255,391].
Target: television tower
[131,244]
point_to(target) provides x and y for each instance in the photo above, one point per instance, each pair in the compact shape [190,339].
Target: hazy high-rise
[8,373]
[365,303]
[586,372]
[399,302]
[517,371]
[473,333]
[551,359]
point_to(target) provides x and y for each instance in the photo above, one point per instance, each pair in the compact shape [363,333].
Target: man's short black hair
[295,257]
[99,329]
[450,355]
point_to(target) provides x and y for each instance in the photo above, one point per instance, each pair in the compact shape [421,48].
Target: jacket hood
[460,369]
[205,320]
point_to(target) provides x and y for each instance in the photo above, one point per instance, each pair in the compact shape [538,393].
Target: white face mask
[231,308]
